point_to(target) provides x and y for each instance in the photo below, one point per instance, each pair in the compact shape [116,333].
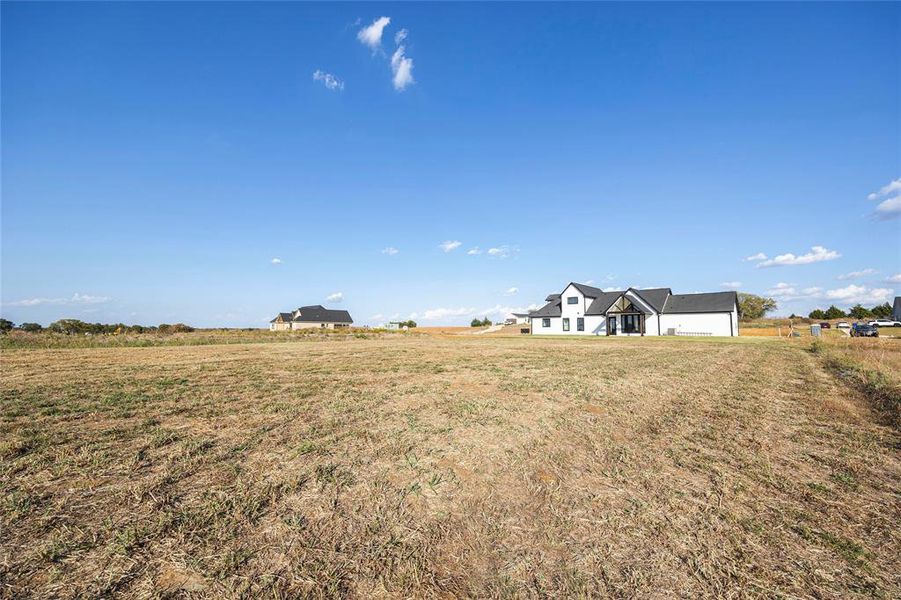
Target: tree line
[857,311]
[75,327]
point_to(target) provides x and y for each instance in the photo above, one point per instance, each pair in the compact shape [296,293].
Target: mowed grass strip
[424,466]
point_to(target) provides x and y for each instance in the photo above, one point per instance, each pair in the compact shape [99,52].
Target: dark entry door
[611,325]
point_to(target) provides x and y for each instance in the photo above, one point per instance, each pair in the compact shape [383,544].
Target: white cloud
[758,256]
[402,67]
[856,274]
[328,80]
[336,297]
[276,261]
[377,317]
[787,292]
[75,299]
[450,245]
[890,188]
[400,36]
[896,278]
[390,251]
[371,35]
[511,291]
[816,254]
[859,294]
[889,209]
[589,281]
[730,285]
[501,251]
[474,251]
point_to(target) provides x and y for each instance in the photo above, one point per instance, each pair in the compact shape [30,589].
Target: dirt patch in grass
[443,466]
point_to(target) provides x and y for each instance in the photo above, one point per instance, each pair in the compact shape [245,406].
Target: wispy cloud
[896,278]
[76,298]
[371,35]
[816,254]
[754,257]
[501,251]
[449,314]
[890,206]
[402,68]
[730,285]
[511,291]
[474,251]
[856,274]
[890,188]
[449,245]
[276,261]
[336,297]
[328,80]
[390,251]
[788,292]
[400,36]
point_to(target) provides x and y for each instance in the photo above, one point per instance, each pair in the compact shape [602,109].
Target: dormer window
[572,299]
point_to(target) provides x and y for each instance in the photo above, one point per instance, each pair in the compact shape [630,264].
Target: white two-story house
[585,310]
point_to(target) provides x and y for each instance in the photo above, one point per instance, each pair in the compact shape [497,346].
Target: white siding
[717,324]
[538,327]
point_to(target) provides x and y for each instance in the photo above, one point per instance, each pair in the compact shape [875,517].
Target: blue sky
[214,163]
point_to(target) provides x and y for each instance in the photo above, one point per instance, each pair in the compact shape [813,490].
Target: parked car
[843,325]
[825,325]
[864,330]
[884,323]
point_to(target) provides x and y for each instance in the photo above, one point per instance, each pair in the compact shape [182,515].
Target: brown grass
[443,466]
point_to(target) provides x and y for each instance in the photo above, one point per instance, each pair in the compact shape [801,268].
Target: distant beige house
[311,317]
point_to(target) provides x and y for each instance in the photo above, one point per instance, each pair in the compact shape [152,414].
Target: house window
[572,300]
[565,324]
[631,323]
[545,322]
[580,324]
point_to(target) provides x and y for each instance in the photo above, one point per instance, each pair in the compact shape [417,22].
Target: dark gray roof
[551,309]
[656,297]
[320,314]
[552,297]
[286,317]
[587,290]
[602,302]
[896,308]
[699,303]
[520,314]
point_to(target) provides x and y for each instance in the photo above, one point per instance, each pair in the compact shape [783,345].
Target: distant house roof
[896,309]
[520,314]
[699,303]
[319,314]
[282,317]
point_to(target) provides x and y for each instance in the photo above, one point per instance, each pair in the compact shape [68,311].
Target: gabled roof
[551,309]
[699,303]
[602,303]
[285,317]
[655,297]
[552,297]
[319,314]
[587,290]
[896,308]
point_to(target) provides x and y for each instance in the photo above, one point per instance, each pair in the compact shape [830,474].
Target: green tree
[751,306]
[859,312]
[409,324]
[475,322]
[31,327]
[833,312]
[817,314]
[883,311]
[6,325]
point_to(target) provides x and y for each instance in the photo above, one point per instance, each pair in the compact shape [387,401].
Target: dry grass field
[446,466]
